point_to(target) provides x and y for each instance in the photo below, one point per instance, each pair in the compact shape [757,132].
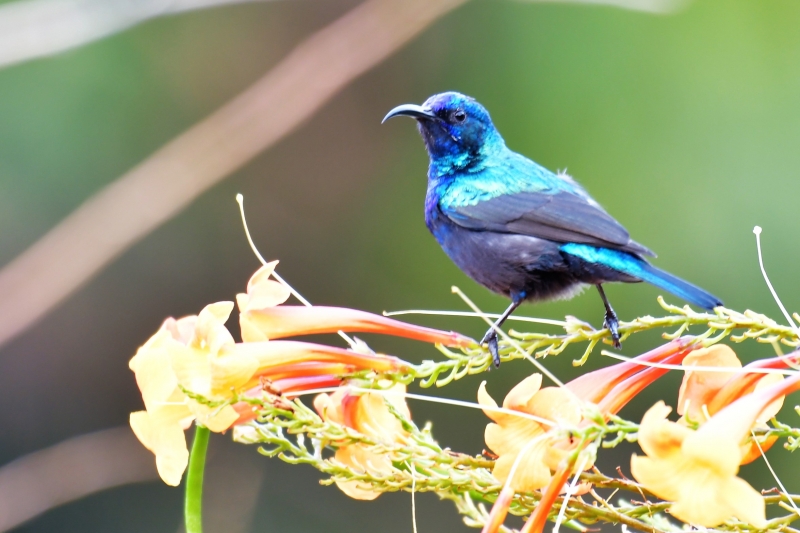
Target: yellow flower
[195,353]
[198,355]
[700,389]
[610,388]
[262,317]
[704,393]
[509,434]
[697,469]
[368,414]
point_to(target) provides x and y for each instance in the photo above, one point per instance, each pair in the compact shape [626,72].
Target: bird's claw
[490,339]
[611,322]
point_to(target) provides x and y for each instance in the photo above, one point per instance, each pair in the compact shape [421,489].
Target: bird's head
[457,130]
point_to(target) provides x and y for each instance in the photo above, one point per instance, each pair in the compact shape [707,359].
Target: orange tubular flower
[197,357]
[499,510]
[610,388]
[537,520]
[598,385]
[704,393]
[369,414]
[697,469]
[747,382]
[273,356]
[262,317]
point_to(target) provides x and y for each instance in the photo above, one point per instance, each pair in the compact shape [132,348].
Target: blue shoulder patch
[618,260]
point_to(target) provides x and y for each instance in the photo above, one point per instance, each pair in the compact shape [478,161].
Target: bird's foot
[490,339]
[611,322]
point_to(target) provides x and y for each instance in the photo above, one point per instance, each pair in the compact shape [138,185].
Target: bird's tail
[639,268]
[680,288]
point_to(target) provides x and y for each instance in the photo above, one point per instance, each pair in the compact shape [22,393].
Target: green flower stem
[193,507]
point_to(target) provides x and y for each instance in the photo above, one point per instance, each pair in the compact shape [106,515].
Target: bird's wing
[557,216]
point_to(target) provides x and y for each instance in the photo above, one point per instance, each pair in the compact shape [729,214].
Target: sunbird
[517,228]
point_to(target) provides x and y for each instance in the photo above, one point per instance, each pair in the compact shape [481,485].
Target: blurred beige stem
[30,29]
[655,7]
[163,184]
[69,471]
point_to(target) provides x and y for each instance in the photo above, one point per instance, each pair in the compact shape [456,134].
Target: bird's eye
[459,116]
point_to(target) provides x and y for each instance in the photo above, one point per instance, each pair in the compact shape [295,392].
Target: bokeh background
[684,125]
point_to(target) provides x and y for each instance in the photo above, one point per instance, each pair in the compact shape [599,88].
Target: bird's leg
[491,336]
[611,321]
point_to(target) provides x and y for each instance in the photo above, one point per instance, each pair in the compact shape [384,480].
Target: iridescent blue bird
[517,228]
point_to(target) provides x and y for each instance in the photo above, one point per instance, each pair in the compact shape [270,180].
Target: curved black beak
[409,110]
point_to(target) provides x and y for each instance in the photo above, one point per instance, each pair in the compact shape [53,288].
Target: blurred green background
[685,127]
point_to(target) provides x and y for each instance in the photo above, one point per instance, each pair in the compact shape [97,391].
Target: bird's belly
[517,266]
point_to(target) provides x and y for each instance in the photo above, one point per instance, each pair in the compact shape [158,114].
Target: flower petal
[658,437]
[531,474]
[709,451]
[182,329]
[658,475]
[372,415]
[699,387]
[557,404]
[329,406]
[701,502]
[518,397]
[216,419]
[192,369]
[261,275]
[153,369]
[359,458]
[231,371]
[747,503]
[734,422]
[249,329]
[512,435]
[752,451]
[210,333]
[263,295]
[486,400]
[773,408]
[163,435]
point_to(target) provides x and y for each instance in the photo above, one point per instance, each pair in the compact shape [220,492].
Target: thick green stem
[193,507]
